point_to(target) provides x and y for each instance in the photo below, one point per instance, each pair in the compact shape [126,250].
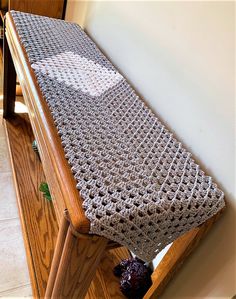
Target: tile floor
[14,276]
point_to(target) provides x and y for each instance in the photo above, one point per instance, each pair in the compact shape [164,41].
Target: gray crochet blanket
[139,185]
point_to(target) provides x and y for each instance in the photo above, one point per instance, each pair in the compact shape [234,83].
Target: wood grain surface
[39,222]
[37,214]
[55,165]
[49,8]
[176,255]
[105,284]
[79,261]
[63,229]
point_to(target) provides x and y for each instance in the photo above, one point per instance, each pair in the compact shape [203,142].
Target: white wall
[180,57]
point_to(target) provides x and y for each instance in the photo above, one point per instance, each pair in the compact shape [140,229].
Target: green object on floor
[45,190]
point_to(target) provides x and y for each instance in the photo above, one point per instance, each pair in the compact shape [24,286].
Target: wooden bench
[64,260]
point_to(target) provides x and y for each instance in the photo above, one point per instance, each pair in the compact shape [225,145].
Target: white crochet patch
[78,72]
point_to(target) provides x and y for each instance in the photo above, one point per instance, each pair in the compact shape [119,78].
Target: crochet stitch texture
[139,185]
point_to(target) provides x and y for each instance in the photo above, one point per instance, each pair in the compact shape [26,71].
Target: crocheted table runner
[139,186]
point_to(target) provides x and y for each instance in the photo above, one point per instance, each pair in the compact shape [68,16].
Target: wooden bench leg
[175,256]
[57,256]
[79,261]
[9,81]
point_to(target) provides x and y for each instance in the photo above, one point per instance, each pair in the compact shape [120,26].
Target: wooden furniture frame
[74,258]
[49,8]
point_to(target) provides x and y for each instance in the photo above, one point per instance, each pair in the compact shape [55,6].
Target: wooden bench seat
[56,234]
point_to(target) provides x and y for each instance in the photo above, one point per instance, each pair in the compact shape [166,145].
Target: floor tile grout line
[15,288]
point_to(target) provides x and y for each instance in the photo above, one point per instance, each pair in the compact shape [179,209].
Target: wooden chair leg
[9,81]
[79,261]
[175,256]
